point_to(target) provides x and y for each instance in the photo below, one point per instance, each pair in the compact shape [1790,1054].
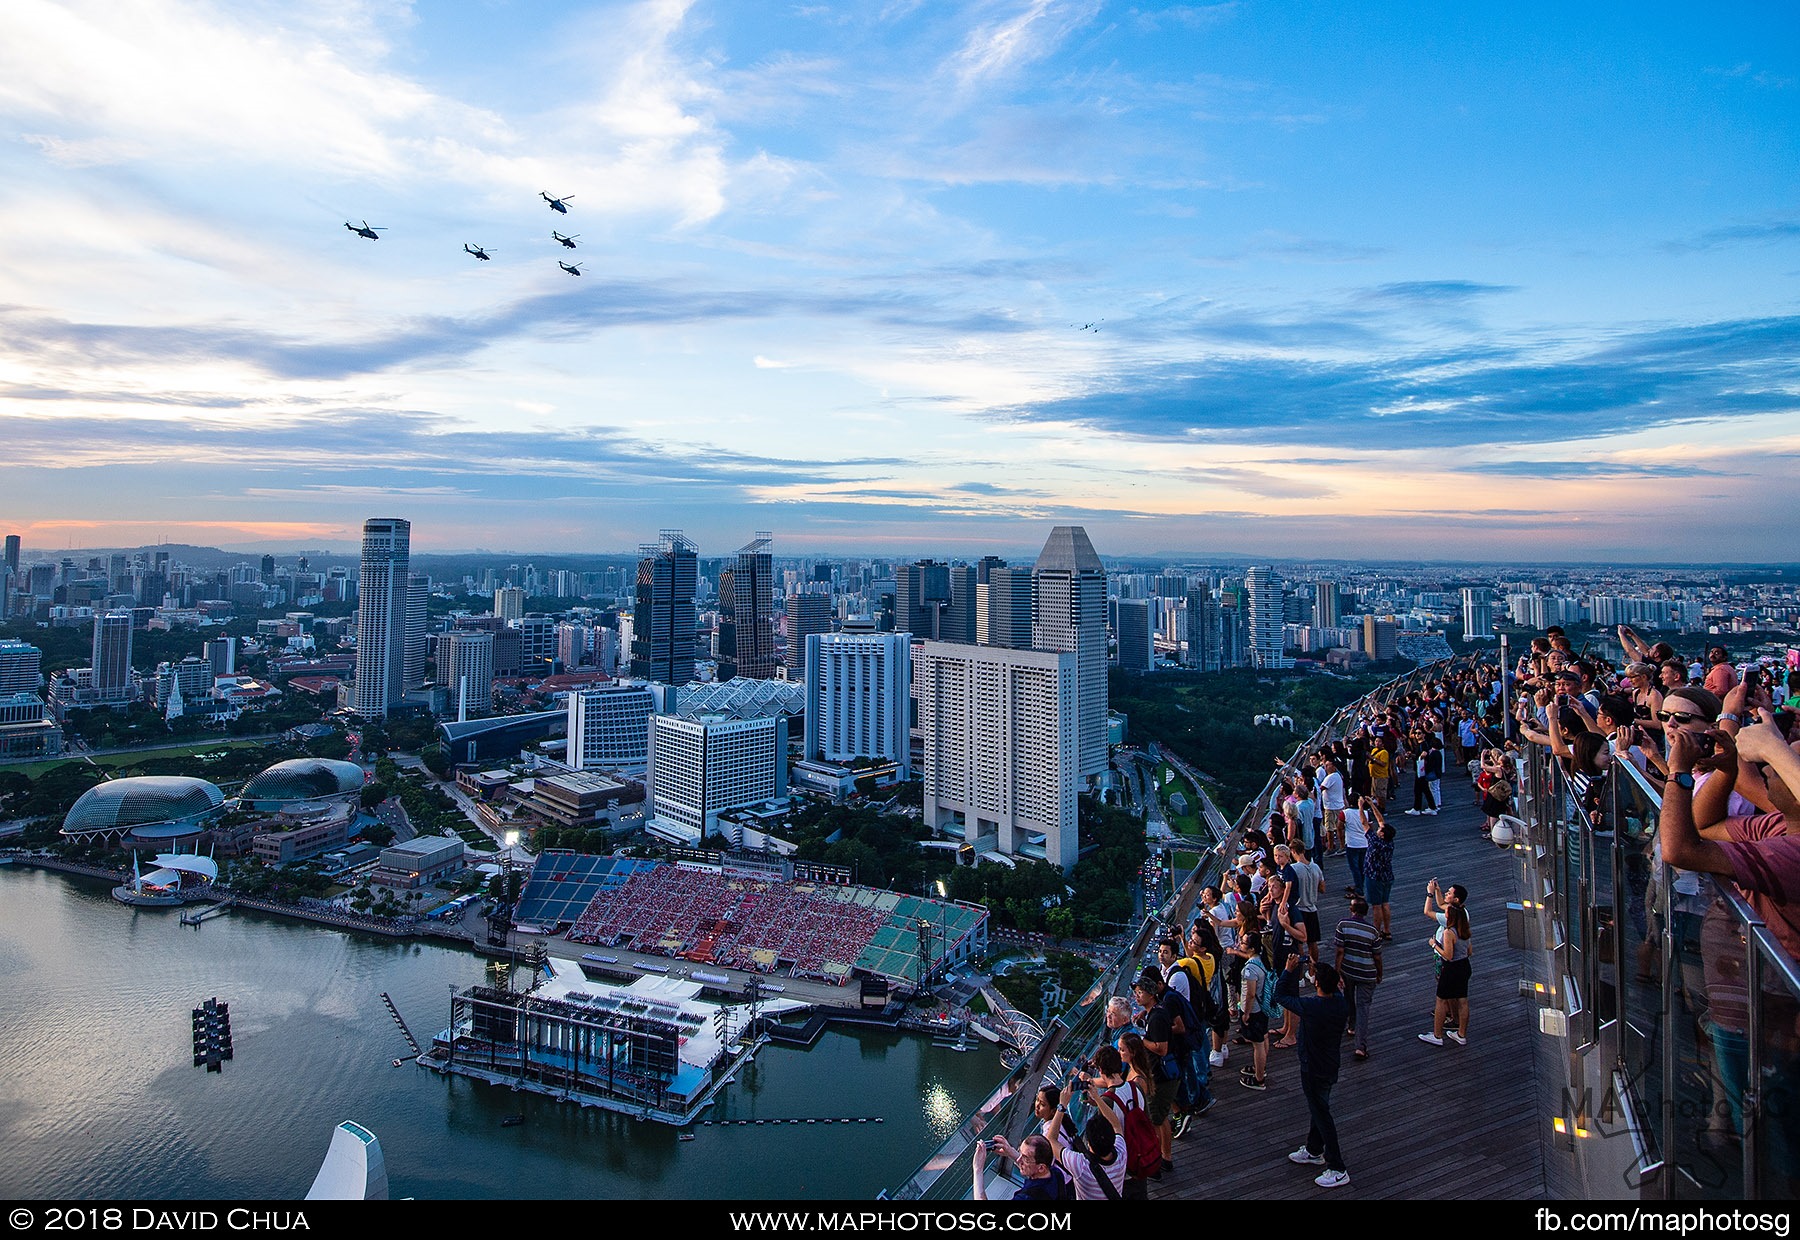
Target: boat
[398,1062]
[684,1136]
[512,1121]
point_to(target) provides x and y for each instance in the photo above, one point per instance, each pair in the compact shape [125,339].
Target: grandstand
[562,884]
[818,930]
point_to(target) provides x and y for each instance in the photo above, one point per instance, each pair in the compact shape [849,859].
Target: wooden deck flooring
[1415,1121]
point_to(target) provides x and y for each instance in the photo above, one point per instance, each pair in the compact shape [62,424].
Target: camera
[1706,745]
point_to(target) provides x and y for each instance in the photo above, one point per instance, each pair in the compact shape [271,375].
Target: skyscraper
[609,727]
[418,621]
[1008,610]
[21,667]
[806,614]
[1069,613]
[509,602]
[1001,731]
[922,596]
[1327,610]
[111,680]
[1262,586]
[467,656]
[752,607]
[858,697]
[664,617]
[382,591]
[1478,615]
[698,768]
[959,619]
[1137,641]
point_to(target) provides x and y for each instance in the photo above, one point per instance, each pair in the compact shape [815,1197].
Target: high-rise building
[664,618]
[751,612]
[1002,737]
[984,568]
[111,681]
[1262,588]
[574,646]
[921,598]
[537,643]
[1380,639]
[1069,614]
[192,678]
[858,697]
[1137,639]
[21,667]
[609,727]
[221,653]
[12,553]
[806,614]
[959,624]
[418,625]
[724,639]
[466,669]
[1008,610]
[698,768]
[509,602]
[1202,634]
[382,592]
[1478,615]
[1327,608]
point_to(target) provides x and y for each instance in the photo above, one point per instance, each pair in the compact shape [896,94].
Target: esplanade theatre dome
[173,802]
[302,779]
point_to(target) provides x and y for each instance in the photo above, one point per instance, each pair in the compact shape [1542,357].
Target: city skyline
[843,267]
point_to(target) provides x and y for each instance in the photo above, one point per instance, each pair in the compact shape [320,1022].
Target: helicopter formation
[558,205]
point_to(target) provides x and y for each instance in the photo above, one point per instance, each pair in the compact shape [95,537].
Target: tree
[1060,921]
[374,794]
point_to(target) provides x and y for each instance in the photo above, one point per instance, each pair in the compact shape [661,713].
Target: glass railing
[1680,1079]
[1079,1032]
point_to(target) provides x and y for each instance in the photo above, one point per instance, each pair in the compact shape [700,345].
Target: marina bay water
[99,1098]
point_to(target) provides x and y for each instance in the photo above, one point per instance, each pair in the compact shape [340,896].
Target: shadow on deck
[1414,1120]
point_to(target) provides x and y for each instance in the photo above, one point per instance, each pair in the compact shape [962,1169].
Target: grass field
[130,757]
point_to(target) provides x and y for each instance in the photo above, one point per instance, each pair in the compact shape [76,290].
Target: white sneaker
[1306,1157]
[1332,1179]
[1432,1038]
[1219,1058]
[1430,813]
[1413,812]
[1456,1037]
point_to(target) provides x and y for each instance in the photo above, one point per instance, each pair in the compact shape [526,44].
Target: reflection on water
[98,1096]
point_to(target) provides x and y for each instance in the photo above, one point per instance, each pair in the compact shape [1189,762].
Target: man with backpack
[1124,1106]
[1186,979]
[1166,1040]
[1253,1029]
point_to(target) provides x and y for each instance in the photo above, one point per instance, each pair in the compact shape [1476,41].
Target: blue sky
[1366,281]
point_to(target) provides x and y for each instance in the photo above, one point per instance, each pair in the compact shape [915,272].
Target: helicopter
[365,230]
[476,250]
[574,271]
[567,241]
[559,205]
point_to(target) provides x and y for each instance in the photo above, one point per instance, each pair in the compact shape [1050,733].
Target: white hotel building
[698,768]
[1001,730]
[858,690]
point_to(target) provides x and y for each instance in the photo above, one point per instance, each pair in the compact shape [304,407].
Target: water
[99,1097]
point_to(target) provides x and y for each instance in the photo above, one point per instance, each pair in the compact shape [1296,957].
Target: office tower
[572,646]
[21,668]
[609,727]
[1002,738]
[1008,610]
[1262,589]
[418,625]
[537,643]
[382,588]
[1137,639]
[664,618]
[1478,615]
[1202,631]
[921,597]
[753,609]
[466,669]
[1327,608]
[1380,639]
[959,624]
[724,641]
[509,603]
[984,568]
[111,680]
[12,553]
[806,614]
[268,568]
[858,697]
[221,654]
[1069,613]
[698,768]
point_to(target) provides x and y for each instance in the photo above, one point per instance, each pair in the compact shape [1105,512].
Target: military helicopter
[365,230]
[559,205]
[476,250]
[567,241]
[574,271]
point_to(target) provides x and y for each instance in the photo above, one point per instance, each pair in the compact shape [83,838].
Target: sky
[891,277]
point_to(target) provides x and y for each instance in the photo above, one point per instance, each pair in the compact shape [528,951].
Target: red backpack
[1143,1149]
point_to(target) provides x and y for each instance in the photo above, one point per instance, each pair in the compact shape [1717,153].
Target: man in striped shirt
[1359,965]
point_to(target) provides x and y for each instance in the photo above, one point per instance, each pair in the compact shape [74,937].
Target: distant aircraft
[476,250]
[559,205]
[567,241]
[574,271]
[365,230]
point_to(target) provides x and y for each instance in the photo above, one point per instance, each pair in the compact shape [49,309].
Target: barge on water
[177,879]
[652,1049]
